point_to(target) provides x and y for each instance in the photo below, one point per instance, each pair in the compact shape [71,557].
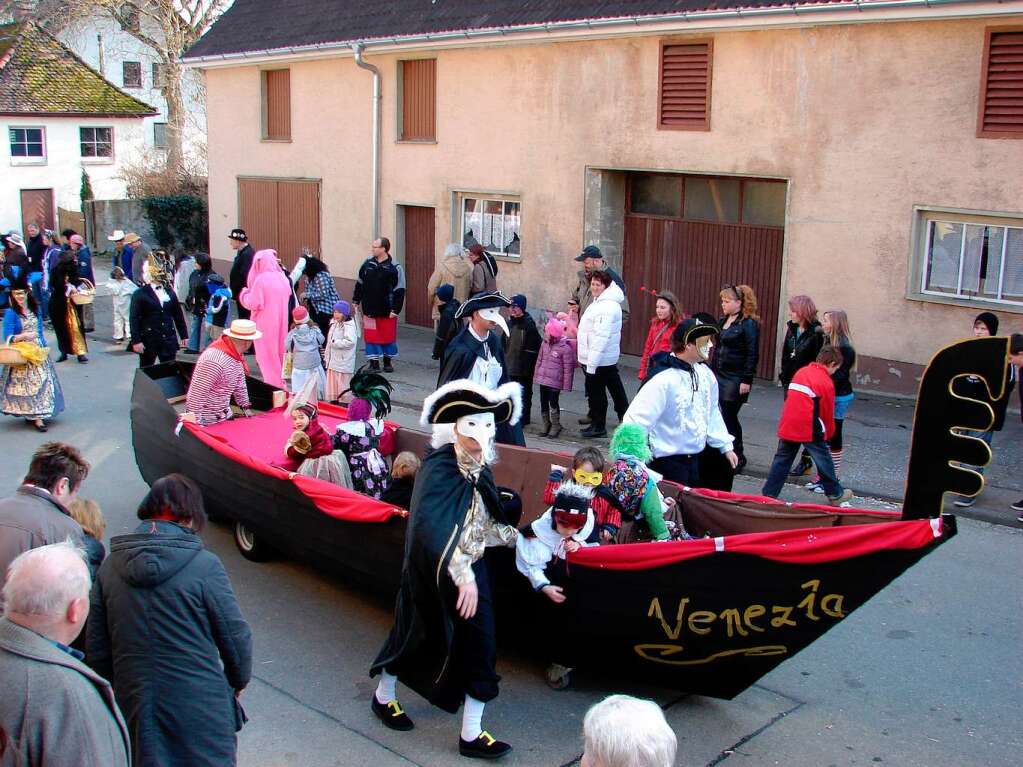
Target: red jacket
[658,339]
[808,414]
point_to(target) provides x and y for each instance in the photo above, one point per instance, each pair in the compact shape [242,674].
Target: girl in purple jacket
[554,371]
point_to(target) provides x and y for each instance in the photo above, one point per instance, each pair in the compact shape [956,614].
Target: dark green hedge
[180,220]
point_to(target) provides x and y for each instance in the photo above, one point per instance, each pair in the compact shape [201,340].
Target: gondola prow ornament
[444,642]
[939,449]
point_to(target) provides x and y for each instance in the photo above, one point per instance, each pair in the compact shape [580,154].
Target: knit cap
[300,314]
[445,292]
[519,300]
[555,328]
[344,308]
[990,320]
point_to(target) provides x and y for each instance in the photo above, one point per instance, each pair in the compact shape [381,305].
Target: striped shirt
[216,378]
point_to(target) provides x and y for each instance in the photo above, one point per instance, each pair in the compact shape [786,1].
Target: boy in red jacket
[808,419]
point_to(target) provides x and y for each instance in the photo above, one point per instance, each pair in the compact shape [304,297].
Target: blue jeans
[784,457]
[195,333]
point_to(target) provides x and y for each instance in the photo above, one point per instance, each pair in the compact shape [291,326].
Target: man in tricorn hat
[678,406]
[443,644]
[477,354]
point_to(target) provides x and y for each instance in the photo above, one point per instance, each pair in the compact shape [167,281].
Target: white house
[60,117]
[135,68]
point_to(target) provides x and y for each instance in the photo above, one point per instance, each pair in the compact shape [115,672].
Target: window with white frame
[970,259]
[27,144]
[97,143]
[493,222]
[160,135]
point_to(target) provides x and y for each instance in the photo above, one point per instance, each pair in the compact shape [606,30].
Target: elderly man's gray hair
[454,249]
[45,580]
[622,731]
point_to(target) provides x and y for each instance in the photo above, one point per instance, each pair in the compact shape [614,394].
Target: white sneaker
[964,503]
[813,487]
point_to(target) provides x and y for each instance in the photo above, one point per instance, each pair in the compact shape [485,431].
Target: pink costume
[267,296]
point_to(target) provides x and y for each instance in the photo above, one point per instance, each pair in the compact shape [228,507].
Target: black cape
[418,648]
[459,359]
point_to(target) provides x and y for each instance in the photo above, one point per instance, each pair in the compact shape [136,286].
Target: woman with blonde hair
[736,356]
[835,326]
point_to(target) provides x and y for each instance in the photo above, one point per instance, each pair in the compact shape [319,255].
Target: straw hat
[131,238]
[243,330]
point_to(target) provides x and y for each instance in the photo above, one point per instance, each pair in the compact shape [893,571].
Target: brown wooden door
[419,260]
[283,215]
[694,260]
[37,208]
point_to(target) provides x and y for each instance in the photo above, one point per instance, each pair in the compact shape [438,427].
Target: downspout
[357,50]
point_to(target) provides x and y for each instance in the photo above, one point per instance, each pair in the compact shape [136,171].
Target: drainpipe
[357,50]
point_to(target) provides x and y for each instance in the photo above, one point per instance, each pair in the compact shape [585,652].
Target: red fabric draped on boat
[264,436]
[805,546]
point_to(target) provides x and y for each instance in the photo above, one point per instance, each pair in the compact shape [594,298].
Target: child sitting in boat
[540,553]
[634,485]
[403,477]
[588,470]
[309,450]
[361,436]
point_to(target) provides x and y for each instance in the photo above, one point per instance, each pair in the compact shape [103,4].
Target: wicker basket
[11,356]
[85,294]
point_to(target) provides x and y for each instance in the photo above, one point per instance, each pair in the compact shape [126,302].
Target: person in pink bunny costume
[267,296]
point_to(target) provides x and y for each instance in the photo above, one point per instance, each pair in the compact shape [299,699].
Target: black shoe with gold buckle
[391,715]
[484,747]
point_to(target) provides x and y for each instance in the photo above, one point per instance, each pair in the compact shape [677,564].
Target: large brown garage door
[694,245]
[279,214]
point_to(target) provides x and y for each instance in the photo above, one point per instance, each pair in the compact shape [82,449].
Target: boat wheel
[249,544]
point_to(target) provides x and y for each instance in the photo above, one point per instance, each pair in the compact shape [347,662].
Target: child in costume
[588,470]
[633,483]
[309,450]
[403,476]
[217,307]
[447,325]
[339,354]
[303,342]
[362,437]
[555,370]
[121,288]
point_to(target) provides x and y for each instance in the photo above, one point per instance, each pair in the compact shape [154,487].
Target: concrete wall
[61,169]
[864,121]
[104,216]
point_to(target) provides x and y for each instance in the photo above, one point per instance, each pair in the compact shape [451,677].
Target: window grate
[1001,97]
[685,80]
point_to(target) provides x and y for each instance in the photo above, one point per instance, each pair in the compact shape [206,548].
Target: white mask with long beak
[494,315]
[482,428]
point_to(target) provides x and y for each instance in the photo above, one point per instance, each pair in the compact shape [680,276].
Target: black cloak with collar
[459,359]
[418,648]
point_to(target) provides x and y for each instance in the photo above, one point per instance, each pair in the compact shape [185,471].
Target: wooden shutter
[419,100]
[1001,87]
[277,104]
[684,92]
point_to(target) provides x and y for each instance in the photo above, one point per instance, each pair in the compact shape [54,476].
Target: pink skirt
[337,383]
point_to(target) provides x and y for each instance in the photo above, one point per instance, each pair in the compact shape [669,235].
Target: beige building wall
[864,121]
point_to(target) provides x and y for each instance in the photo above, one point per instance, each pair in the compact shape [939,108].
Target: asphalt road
[928,673]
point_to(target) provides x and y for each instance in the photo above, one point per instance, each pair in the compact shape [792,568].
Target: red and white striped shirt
[217,377]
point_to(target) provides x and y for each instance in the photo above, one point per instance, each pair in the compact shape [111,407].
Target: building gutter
[360,62]
[786,15]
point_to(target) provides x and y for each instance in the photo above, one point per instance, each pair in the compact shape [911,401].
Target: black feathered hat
[459,398]
[489,300]
[692,329]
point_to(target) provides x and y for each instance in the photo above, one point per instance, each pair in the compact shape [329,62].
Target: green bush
[179,220]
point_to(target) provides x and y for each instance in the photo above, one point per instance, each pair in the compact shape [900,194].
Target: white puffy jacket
[600,330]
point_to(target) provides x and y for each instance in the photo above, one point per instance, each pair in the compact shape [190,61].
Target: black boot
[594,430]
[374,366]
[555,423]
[388,367]
[803,468]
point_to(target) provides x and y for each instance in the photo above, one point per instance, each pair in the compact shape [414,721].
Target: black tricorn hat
[489,300]
[459,398]
[688,331]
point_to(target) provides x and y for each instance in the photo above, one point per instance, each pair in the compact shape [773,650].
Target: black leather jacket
[798,352]
[737,351]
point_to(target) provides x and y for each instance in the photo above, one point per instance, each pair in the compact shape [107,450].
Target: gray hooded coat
[164,618]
